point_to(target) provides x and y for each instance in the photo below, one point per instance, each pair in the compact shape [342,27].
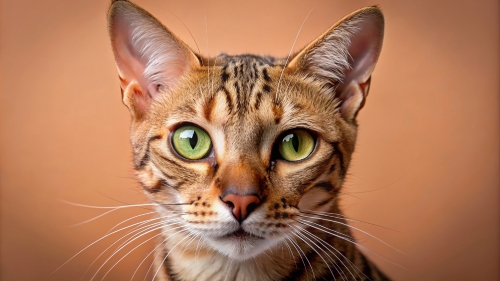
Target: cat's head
[234,148]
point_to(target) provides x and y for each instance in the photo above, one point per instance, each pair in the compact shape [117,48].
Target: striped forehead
[246,89]
[243,83]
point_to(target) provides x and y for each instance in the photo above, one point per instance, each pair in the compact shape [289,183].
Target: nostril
[230,204]
[227,202]
[251,207]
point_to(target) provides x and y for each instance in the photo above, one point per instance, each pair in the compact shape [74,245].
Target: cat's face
[243,140]
[234,148]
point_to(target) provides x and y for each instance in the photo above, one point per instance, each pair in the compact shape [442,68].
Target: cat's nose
[242,205]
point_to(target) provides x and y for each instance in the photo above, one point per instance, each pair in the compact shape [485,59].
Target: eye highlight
[191,142]
[296,145]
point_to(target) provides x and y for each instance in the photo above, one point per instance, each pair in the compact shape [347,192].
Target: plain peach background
[427,160]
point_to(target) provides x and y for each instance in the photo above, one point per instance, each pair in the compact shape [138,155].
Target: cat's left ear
[150,59]
[344,57]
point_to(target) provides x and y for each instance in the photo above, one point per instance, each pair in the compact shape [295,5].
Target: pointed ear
[150,59]
[343,58]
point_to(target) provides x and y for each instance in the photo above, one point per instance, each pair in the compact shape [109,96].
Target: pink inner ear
[130,66]
[364,50]
[145,51]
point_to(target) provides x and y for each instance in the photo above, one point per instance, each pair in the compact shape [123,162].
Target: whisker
[149,239]
[145,214]
[143,260]
[300,252]
[106,207]
[348,194]
[301,237]
[123,206]
[150,213]
[379,188]
[327,230]
[336,232]
[340,216]
[130,241]
[93,243]
[208,50]
[324,243]
[93,219]
[197,245]
[129,233]
[191,34]
[166,256]
[158,254]
[291,254]
[360,230]
[213,75]
[190,241]
[116,200]
[152,251]
[289,54]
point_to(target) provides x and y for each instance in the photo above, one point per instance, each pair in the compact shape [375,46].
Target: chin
[240,245]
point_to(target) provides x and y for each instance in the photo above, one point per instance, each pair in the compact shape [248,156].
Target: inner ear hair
[148,56]
[344,57]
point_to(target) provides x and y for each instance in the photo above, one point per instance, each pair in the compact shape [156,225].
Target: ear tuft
[344,57]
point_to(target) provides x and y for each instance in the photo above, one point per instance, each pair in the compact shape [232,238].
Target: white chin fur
[240,249]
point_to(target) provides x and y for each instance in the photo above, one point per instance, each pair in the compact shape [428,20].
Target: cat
[244,156]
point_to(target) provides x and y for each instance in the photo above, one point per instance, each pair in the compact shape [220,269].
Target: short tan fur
[242,211]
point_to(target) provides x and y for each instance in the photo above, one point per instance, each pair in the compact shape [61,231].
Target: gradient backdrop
[427,159]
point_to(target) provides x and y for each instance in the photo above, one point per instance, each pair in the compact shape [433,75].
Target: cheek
[316,199]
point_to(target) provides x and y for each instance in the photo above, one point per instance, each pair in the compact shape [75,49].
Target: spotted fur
[245,102]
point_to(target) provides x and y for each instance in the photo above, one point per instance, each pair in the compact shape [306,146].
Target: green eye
[296,145]
[191,142]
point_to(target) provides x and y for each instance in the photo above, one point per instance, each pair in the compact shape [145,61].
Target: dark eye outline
[276,155]
[209,153]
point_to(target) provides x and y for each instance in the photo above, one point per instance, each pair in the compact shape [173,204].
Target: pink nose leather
[242,205]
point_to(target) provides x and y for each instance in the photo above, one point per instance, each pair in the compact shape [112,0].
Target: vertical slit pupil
[193,140]
[295,142]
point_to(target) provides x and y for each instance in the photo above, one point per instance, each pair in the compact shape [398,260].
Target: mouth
[241,235]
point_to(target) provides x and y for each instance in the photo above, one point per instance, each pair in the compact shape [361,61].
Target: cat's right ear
[150,59]
[344,57]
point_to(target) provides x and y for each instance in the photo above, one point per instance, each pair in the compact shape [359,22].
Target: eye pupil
[295,143]
[193,140]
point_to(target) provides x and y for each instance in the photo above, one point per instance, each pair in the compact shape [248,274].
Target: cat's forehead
[247,94]
[224,59]
[238,88]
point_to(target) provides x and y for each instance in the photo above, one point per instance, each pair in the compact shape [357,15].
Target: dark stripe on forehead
[208,108]
[224,75]
[229,100]
[235,71]
[237,87]
[278,112]
[258,98]
[255,70]
[266,88]
[266,75]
